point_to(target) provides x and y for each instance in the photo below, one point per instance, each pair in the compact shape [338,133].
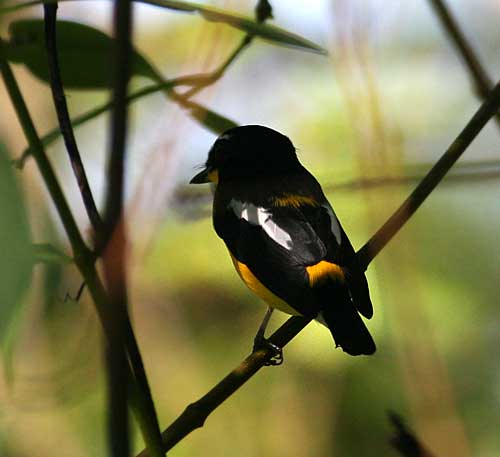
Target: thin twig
[405,441]
[79,247]
[183,198]
[61,106]
[166,86]
[195,414]
[197,82]
[208,79]
[482,81]
[263,11]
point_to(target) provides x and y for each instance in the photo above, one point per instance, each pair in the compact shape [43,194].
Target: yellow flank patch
[324,270]
[213,176]
[294,201]
[260,290]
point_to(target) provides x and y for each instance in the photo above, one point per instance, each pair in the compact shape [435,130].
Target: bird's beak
[205,176]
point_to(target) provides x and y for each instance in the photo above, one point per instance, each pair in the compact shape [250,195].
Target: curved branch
[56,85]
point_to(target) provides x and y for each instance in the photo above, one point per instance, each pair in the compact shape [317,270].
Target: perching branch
[195,414]
[482,82]
[56,85]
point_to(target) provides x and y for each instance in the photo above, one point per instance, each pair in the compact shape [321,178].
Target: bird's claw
[277,357]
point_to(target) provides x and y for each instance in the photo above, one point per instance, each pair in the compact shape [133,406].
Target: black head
[248,151]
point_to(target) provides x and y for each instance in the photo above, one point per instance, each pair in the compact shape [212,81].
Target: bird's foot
[263,343]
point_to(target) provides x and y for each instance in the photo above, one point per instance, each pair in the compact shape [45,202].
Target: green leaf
[84,53]
[15,246]
[266,31]
[214,122]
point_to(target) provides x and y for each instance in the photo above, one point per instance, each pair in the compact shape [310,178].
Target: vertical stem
[114,243]
[114,256]
[61,106]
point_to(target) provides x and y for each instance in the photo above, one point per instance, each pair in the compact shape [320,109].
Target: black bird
[283,236]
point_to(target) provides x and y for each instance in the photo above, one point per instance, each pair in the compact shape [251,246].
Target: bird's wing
[278,243]
[281,245]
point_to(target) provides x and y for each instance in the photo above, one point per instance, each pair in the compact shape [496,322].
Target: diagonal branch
[83,257]
[378,241]
[405,441]
[482,82]
[196,413]
[56,85]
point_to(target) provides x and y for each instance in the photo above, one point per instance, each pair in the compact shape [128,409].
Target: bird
[284,238]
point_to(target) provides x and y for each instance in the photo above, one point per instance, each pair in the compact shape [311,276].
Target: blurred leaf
[84,53]
[266,31]
[15,247]
[46,253]
[214,122]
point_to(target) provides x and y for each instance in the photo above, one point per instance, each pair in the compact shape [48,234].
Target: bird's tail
[342,318]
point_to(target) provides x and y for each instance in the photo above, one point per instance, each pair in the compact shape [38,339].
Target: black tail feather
[342,318]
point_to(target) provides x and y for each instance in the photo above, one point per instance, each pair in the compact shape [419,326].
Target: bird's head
[250,151]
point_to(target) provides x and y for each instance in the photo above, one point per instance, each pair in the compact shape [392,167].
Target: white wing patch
[334,223]
[257,215]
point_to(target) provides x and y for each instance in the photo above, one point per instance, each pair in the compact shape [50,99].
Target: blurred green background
[382,107]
